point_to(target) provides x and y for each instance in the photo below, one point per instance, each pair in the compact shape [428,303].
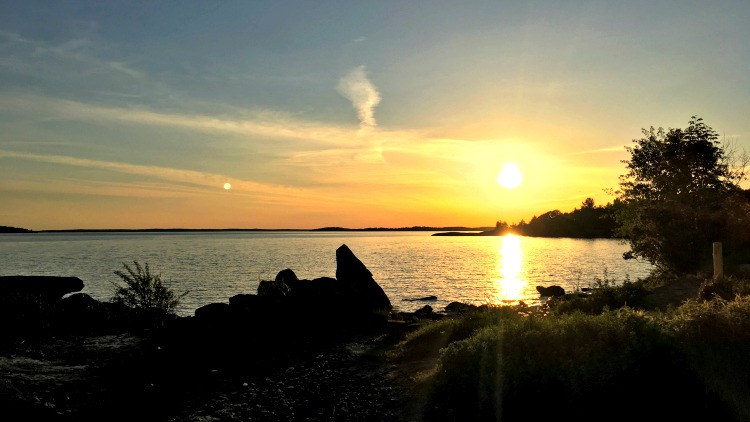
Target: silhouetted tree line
[9,229]
[589,221]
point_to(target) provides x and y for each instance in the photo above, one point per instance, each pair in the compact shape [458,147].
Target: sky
[140,114]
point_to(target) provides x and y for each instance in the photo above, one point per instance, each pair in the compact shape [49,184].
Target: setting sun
[510,176]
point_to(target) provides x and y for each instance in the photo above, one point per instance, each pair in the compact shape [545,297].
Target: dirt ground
[674,293]
[92,378]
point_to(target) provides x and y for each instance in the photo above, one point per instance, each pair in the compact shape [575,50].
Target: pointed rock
[351,271]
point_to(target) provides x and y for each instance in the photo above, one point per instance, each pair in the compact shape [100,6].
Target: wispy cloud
[77,56]
[189,177]
[167,182]
[264,123]
[357,88]
[620,148]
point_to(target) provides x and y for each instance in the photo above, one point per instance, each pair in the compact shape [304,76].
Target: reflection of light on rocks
[510,265]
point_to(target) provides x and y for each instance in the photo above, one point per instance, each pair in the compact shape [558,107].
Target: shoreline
[13,230]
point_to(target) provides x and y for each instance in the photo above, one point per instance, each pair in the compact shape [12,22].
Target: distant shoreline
[323,229]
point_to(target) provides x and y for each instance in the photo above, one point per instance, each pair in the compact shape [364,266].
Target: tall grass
[688,362]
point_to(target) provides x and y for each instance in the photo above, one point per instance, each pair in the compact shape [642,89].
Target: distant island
[8,229]
[410,229]
[587,222]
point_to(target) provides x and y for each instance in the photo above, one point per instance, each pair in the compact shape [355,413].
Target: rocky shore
[312,350]
[293,350]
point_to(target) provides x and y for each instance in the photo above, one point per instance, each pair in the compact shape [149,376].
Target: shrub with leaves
[144,290]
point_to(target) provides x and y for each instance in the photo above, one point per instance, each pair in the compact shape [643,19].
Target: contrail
[355,87]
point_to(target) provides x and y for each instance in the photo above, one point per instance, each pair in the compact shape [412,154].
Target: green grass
[689,362]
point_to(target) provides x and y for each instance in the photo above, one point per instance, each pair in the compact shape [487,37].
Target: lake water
[213,266]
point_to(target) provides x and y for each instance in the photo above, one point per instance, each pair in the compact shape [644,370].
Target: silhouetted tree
[676,196]
[590,221]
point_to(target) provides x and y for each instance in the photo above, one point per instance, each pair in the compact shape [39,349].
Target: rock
[286,276]
[48,286]
[550,291]
[459,307]
[424,311]
[81,301]
[366,291]
[244,302]
[32,304]
[213,313]
[275,289]
[290,308]
[417,299]
[81,309]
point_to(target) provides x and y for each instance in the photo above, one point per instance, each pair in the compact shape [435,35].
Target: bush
[543,363]
[714,336]
[144,290]
[494,366]
[605,294]
[429,339]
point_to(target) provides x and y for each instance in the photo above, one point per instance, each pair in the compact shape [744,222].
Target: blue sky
[131,114]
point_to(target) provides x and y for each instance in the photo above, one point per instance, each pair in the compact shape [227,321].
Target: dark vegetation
[144,290]
[682,192]
[8,229]
[589,221]
[586,360]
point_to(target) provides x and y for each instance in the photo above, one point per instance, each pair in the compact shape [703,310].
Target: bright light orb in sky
[510,176]
[227,186]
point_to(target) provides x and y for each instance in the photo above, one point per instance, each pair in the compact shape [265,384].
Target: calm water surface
[213,266]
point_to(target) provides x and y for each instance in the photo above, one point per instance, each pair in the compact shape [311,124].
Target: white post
[718,262]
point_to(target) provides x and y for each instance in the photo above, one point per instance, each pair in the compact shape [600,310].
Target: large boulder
[32,304]
[366,292]
[353,290]
[289,308]
[460,307]
[213,313]
[47,286]
[319,292]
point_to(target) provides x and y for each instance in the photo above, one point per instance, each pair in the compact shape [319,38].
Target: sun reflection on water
[510,285]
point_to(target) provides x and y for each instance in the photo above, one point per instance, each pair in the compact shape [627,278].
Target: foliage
[605,294]
[545,364]
[714,336]
[428,339]
[9,229]
[588,221]
[144,290]
[726,288]
[502,366]
[680,194]
[499,363]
